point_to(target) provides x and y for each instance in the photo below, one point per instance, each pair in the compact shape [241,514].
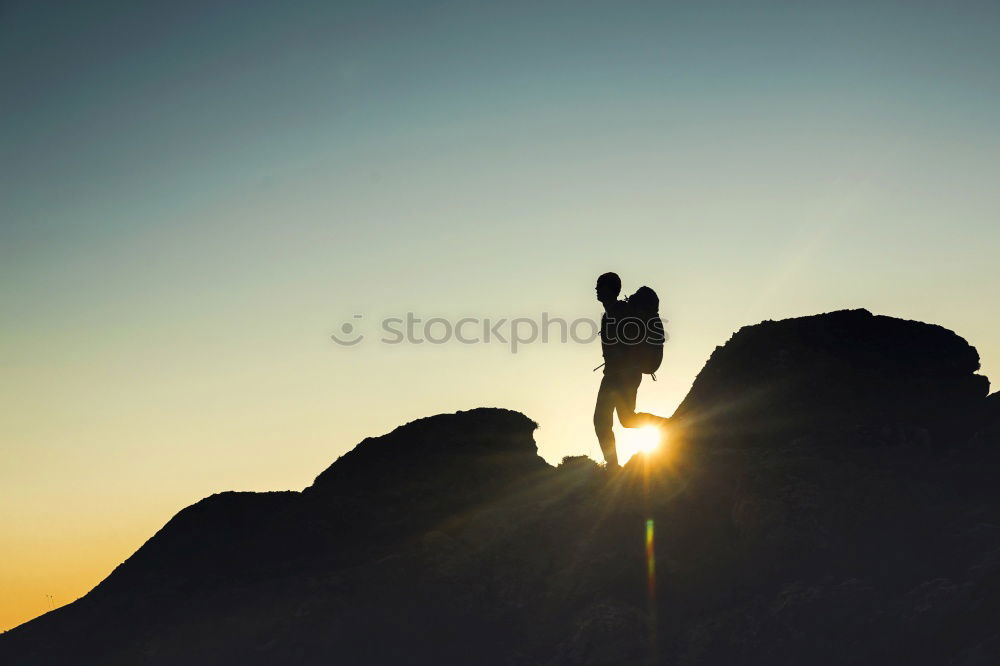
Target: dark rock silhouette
[847,369]
[829,498]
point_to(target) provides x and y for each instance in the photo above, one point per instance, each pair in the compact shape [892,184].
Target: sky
[194,196]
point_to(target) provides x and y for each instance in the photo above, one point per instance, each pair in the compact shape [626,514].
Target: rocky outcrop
[845,370]
[819,503]
[462,457]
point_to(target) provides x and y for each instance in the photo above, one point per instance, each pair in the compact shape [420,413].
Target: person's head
[609,286]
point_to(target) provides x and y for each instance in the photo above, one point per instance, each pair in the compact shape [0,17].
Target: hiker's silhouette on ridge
[632,344]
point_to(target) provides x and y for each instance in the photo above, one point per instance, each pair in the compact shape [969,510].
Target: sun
[637,440]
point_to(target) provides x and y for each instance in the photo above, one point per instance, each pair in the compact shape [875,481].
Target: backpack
[647,346]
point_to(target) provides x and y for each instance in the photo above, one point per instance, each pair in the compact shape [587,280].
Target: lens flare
[651,590]
[631,441]
[650,559]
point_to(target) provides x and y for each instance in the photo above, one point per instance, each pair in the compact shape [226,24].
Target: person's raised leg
[625,406]
[628,387]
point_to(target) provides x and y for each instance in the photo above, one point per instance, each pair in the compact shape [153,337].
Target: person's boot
[653,419]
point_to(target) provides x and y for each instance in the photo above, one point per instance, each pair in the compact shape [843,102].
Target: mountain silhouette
[827,496]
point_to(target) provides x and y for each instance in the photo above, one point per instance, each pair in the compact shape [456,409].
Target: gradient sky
[195,195]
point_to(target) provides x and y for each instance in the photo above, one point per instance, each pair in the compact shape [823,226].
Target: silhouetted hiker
[630,346]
